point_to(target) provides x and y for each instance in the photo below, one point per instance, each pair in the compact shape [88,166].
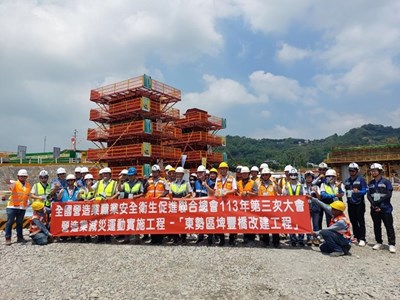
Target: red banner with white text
[232,214]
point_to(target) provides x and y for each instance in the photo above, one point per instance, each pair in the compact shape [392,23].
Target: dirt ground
[105,271]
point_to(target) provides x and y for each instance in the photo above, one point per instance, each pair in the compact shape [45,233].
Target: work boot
[21,239]
[8,241]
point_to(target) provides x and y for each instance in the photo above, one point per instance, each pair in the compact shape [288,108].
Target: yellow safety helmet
[338,205]
[37,205]
[223,165]
[214,170]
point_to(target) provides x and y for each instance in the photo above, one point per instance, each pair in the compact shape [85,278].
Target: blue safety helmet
[132,171]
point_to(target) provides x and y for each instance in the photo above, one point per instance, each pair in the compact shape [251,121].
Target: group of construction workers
[325,193]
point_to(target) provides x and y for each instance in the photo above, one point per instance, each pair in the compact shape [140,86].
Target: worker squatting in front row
[325,193]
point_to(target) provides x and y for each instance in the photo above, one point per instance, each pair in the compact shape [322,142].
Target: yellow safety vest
[103,192]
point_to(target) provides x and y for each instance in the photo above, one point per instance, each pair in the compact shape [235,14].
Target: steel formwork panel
[99,115]
[135,86]
[199,138]
[196,156]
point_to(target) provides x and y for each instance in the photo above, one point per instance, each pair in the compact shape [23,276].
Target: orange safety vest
[155,190]
[247,188]
[268,190]
[346,233]
[227,185]
[42,218]
[19,195]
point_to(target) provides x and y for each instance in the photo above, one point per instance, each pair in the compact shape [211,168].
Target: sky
[274,69]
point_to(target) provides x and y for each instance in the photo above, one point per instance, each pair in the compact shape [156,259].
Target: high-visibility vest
[268,190]
[248,186]
[134,190]
[86,195]
[155,190]
[179,190]
[42,218]
[105,191]
[330,191]
[40,191]
[346,233]
[227,185]
[297,192]
[19,195]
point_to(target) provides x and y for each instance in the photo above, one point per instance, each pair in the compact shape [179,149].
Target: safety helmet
[88,176]
[376,166]
[309,173]
[293,174]
[171,170]
[43,173]
[323,166]
[180,170]
[101,171]
[245,170]
[61,171]
[238,169]
[201,168]
[131,171]
[223,165]
[37,205]
[207,171]
[168,167]
[330,172]
[78,170]
[71,177]
[106,170]
[22,172]
[288,168]
[255,169]
[338,205]
[353,165]
[123,172]
[214,170]
[266,171]
[84,170]
[193,175]
[155,168]
[264,165]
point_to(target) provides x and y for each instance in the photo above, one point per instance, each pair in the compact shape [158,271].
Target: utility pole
[44,144]
[75,132]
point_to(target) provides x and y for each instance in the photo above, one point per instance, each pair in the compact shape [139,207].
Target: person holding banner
[71,192]
[337,237]
[293,187]
[106,188]
[225,185]
[85,193]
[180,189]
[247,187]
[40,225]
[268,187]
[155,188]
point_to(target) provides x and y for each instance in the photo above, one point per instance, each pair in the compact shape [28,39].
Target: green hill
[299,152]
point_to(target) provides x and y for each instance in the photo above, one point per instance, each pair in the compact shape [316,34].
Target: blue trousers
[40,238]
[17,215]
[333,241]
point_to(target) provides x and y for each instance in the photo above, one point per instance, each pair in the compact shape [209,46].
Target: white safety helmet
[43,173]
[106,170]
[61,171]
[155,168]
[376,166]
[101,171]
[71,177]
[193,175]
[22,172]
[323,166]
[201,168]
[288,168]
[180,170]
[88,176]
[353,165]
[330,172]
[266,171]
[264,166]
[207,171]
[254,169]
[168,167]
[293,174]
[78,170]
[84,170]
[245,170]
[123,172]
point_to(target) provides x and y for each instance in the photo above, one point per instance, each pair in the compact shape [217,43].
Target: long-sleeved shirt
[41,226]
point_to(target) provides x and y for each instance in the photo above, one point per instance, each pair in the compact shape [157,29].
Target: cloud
[288,54]
[219,95]
[281,88]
